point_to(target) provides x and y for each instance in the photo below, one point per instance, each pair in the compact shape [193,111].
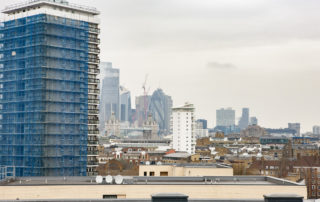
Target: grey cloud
[217,65]
[170,38]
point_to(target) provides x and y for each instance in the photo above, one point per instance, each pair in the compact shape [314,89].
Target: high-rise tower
[225,117]
[125,105]
[183,125]
[110,98]
[244,120]
[296,127]
[49,60]
[161,109]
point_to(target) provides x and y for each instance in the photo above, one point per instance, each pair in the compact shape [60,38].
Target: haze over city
[256,54]
[159,100]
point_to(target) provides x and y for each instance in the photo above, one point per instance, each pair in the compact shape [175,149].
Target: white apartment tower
[183,125]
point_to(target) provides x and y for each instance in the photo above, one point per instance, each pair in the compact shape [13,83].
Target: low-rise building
[241,188]
[175,170]
[273,140]
[180,157]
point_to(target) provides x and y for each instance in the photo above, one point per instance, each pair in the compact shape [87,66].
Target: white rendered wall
[183,131]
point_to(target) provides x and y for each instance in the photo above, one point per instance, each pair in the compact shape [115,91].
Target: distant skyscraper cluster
[116,99]
[225,120]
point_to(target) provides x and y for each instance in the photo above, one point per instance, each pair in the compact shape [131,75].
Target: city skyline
[79,117]
[256,54]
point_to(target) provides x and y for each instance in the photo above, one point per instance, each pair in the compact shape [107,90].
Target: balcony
[94,60]
[93,122]
[96,132]
[94,30]
[95,91]
[93,80]
[92,163]
[94,71]
[93,101]
[92,152]
[93,142]
[94,40]
[93,111]
[94,50]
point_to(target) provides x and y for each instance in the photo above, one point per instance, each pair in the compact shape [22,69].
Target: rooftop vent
[169,197]
[283,198]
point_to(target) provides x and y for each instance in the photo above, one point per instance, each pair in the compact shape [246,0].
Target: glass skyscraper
[48,89]
[110,97]
[161,108]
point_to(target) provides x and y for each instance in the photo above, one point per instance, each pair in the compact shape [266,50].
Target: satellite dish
[147,162]
[118,179]
[99,179]
[109,179]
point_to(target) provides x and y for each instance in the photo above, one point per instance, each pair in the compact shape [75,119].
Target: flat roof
[148,200]
[59,3]
[177,155]
[193,165]
[137,180]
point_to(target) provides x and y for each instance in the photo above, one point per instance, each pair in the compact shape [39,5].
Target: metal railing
[92,152]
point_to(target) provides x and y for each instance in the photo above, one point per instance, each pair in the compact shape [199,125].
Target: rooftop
[59,3]
[137,180]
[193,165]
[177,155]
[186,106]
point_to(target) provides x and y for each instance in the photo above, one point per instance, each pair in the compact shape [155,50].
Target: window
[151,173]
[108,196]
[144,173]
[163,173]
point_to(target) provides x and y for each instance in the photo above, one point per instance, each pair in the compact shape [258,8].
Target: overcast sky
[261,54]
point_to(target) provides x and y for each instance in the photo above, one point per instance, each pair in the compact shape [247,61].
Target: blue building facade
[44,95]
